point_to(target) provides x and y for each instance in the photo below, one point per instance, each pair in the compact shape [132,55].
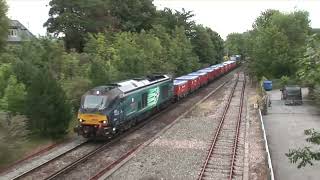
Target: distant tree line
[94,43]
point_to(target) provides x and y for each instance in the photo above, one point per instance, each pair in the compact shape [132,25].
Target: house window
[13,32]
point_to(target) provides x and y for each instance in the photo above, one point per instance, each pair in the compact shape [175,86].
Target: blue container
[267,85]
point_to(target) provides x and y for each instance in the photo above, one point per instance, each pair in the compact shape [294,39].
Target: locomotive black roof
[128,86]
[137,83]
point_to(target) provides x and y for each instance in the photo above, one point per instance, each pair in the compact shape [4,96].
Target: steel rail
[201,175]
[24,174]
[236,139]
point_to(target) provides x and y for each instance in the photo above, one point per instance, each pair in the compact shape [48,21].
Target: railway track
[61,170]
[225,157]
[61,156]
[55,174]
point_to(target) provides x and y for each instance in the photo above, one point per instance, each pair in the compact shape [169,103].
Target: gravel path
[180,152]
[257,161]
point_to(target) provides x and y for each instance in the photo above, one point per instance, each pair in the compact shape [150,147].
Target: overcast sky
[223,16]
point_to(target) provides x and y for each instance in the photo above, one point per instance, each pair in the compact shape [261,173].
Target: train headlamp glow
[104,122]
[81,120]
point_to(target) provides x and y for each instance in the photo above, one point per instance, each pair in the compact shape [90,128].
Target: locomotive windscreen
[94,102]
[98,100]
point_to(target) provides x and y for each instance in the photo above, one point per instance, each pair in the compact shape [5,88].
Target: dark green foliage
[48,111]
[170,19]
[76,18]
[74,89]
[98,73]
[218,45]
[304,156]
[4,24]
[203,46]
[133,15]
[24,71]
[5,73]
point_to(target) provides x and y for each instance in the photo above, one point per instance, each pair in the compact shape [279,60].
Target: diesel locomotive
[106,110]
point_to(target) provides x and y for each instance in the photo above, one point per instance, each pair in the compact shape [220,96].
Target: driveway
[285,127]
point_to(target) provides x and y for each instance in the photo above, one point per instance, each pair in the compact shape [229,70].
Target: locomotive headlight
[104,122]
[81,120]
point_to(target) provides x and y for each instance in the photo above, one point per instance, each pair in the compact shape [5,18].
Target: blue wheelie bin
[267,85]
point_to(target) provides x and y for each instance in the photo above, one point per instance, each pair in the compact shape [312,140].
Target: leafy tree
[235,44]
[46,106]
[24,71]
[133,15]
[270,54]
[102,60]
[171,19]
[277,43]
[5,73]
[75,88]
[309,64]
[77,17]
[306,155]
[14,96]
[203,46]
[4,23]
[129,57]
[218,45]
[182,54]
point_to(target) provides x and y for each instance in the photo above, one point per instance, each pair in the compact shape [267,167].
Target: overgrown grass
[25,148]
[73,123]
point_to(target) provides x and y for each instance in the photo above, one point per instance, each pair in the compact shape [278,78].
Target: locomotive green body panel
[135,104]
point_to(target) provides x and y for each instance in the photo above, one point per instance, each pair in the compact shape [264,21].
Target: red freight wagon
[218,69]
[204,77]
[210,71]
[181,88]
[193,81]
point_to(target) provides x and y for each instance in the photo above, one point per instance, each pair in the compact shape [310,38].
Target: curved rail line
[212,166]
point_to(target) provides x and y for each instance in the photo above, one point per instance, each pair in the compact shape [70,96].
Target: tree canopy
[4,23]
[275,44]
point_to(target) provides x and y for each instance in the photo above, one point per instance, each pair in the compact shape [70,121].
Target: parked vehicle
[292,95]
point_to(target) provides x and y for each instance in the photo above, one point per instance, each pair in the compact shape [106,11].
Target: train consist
[106,110]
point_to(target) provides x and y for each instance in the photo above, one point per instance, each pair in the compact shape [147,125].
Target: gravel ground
[179,152]
[38,160]
[257,155]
